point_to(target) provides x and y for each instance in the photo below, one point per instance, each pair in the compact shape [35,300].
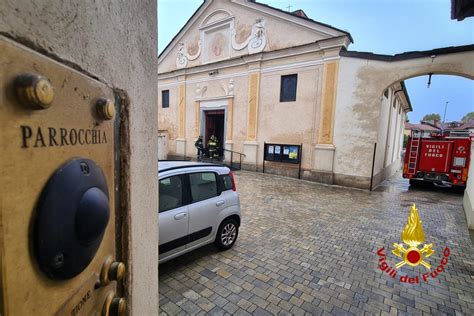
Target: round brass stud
[117,271]
[118,306]
[105,109]
[34,91]
[112,271]
[114,306]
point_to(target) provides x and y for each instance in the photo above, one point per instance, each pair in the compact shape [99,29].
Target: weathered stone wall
[391,122]
[114,42]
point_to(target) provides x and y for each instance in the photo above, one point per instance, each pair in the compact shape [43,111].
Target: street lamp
[429,80]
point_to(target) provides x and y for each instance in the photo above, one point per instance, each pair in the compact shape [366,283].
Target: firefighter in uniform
[200,148]
[213,146]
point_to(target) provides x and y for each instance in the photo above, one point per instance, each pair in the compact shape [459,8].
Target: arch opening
[437,103]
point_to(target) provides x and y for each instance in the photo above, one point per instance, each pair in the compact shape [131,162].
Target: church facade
[251,74]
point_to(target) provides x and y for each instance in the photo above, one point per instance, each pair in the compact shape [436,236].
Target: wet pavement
[307,248]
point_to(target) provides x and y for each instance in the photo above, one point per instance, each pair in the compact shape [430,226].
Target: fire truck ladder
[413,154]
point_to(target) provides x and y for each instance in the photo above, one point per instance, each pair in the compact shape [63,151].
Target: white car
[199,205]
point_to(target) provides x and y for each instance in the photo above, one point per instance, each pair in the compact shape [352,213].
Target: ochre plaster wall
[258,114]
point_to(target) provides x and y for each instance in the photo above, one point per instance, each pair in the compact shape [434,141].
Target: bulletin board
[284,153]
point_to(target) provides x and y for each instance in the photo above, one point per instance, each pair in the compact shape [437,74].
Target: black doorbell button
[72,215]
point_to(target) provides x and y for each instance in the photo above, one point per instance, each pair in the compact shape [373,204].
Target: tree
[467,117]
[432,117]
[405,140]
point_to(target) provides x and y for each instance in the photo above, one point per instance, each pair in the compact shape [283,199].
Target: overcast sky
[379,26]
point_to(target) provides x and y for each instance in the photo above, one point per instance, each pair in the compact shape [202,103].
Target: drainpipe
[373,166]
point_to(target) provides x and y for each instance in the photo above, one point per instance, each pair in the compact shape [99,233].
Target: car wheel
[227,234]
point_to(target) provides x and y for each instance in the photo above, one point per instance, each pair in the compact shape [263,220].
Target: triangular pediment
[216,16]
[225,29]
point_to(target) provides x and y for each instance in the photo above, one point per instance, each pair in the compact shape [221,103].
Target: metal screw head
[34,91]
[58,261]
[105,109]
[114,306]
[118,306]
[117,271]
[85,168]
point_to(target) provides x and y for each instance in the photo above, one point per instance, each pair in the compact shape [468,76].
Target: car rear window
[171,193]
[203,186]
[226,182]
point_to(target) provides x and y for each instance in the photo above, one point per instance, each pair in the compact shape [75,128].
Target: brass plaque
[86,301]
[34,143]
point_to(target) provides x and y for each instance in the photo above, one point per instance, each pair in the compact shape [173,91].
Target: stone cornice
[327,47]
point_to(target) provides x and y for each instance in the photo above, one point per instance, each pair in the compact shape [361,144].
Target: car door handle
[219,203]
[179,216]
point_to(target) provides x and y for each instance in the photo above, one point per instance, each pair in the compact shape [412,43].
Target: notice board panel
[282,153]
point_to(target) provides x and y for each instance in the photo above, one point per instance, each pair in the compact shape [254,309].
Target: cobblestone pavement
[309,249]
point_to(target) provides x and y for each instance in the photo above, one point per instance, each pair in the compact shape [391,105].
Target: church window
[288,88]
[165,98]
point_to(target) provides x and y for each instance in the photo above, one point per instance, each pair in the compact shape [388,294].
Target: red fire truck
[439,158]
